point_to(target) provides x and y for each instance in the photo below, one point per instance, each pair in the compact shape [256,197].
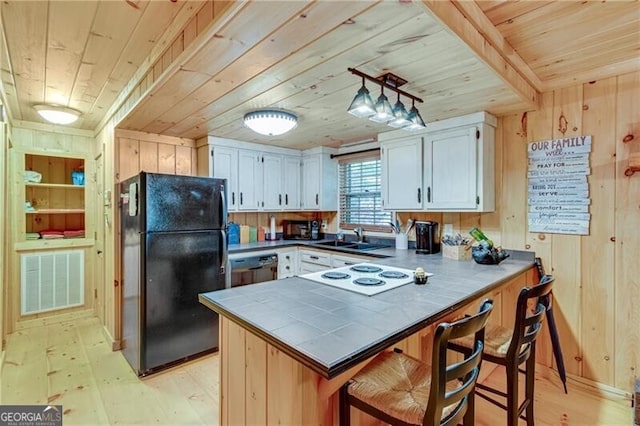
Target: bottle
[478,235]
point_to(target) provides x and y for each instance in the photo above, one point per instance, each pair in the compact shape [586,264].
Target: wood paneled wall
[44,140]
[597,288]
[139,151]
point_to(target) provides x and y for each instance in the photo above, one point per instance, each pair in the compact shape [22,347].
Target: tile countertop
[331,330]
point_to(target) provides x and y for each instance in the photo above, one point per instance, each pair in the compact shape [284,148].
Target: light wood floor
[71,364]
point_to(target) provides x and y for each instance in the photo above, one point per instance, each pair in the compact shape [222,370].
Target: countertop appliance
[300,230]
[364,278]
[173,248]
[249,268]
[427,237]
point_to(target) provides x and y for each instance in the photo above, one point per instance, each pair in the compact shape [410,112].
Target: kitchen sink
[337,243]
[350,245]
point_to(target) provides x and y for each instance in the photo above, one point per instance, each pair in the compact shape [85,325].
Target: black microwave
[300,230]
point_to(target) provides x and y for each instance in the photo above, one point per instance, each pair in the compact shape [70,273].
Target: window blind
[360,193]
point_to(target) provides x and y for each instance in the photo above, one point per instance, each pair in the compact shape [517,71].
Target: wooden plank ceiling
[460,57]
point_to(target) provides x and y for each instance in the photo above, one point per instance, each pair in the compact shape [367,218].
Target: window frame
[360,159]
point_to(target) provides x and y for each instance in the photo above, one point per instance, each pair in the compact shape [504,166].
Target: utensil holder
[456,252]
[402,241]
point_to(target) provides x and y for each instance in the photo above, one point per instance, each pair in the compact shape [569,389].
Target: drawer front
[338,261]
[318,258]
[307,268]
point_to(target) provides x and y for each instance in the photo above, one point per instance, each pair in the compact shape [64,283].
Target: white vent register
[51,280]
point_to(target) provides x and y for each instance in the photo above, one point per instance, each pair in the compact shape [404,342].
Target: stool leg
[469,418]
[530,379]
[344,407]
[512,393]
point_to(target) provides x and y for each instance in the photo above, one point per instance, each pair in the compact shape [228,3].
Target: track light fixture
[381,112]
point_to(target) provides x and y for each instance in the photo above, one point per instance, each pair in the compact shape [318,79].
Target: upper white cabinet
[447,167]
[273,182]
[459,164]
[402,173]
[259,177]
[249,180]
[291,185]
[319,180]
[225,166]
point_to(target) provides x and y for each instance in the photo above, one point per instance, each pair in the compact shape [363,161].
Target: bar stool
[401,390]
[512,348]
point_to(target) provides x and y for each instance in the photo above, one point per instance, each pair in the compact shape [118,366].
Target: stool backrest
[529,321]
[464,373]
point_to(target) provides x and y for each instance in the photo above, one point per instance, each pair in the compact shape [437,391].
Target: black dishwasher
[252,269]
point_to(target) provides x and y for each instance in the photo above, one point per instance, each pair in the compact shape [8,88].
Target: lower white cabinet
[287,262]
[313,261]
[340,260]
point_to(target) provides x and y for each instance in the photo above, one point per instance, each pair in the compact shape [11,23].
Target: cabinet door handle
[419,195]
[241,198]
[233,198]
[286,199]
[314,257]
[317,199]
[428,194]
[279,199]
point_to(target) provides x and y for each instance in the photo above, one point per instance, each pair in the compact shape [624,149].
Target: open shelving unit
[56,203]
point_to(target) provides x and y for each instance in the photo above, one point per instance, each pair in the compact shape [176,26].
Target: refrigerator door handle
[223,203]
[224,264]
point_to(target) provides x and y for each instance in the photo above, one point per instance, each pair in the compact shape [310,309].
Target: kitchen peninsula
[286,346]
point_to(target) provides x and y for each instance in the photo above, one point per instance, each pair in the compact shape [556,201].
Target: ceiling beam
[467,21]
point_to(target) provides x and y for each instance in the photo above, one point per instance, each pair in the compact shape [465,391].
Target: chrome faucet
[358,232]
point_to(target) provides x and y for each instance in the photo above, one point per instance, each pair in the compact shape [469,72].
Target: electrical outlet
[324,224]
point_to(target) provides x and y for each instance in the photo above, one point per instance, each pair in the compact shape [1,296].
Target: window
[360,197]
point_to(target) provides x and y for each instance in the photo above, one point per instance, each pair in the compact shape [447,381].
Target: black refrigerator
[174,247]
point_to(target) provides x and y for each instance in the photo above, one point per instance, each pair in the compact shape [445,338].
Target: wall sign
[558,191]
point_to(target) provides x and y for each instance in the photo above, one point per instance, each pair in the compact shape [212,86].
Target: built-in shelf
[55,185]
[54,244]
[57,201]
[55,211]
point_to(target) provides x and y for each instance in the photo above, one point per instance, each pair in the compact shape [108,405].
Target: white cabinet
[259,177]
[319,180]
[447,167]
[313,261]
[402,173]
[281,180]
[291,186]
[340,260]
[225,166]
[459,164]
[287,262]
[272,178]
[249,173]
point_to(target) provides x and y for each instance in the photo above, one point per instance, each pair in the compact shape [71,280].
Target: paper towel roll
[272,228]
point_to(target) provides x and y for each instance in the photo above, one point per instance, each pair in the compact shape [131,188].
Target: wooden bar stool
[401,390]
[512,348]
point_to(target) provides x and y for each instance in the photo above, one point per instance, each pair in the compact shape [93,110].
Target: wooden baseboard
[116,345]
[601,389]
[53,319]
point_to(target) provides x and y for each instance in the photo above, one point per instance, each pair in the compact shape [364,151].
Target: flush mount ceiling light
[57,114]
[270,122]
[362,106]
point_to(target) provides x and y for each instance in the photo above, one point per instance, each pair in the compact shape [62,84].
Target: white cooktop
[373,276]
